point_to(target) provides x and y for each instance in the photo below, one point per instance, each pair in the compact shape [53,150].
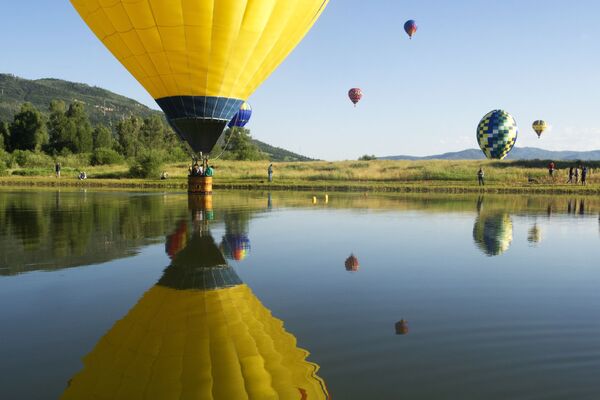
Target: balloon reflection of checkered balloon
[497,134]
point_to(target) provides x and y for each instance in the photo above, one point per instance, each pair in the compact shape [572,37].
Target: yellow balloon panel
[217,48]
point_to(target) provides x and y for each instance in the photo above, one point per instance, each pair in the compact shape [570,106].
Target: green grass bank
[358,176]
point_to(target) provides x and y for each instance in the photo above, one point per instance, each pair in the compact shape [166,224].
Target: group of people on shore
[574,175]
[577,174]
[82,175]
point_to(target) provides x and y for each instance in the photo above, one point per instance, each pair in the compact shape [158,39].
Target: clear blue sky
[535,59]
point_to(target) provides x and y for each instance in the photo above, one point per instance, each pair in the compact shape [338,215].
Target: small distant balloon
[497,134]
[539,127]
[411,27]
[242,117]
[402,327]
[352,264]
[355,95]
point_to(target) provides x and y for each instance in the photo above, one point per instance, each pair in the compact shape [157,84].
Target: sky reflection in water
[446,296]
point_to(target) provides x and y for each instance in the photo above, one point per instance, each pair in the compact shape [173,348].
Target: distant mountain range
[103,106]
[518,153]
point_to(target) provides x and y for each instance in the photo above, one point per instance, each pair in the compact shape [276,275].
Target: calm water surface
[256,296]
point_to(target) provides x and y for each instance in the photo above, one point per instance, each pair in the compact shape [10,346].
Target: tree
[367,157]
[58,126]
[4,135]
[128,136]
[80,128]
[239,146]
[153,132]
[103,137]
[28,129]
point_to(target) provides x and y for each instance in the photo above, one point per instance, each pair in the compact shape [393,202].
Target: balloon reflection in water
[493,233]
[534,236]
[236,246]
[352,264]
[402,327]
[198,333]
[177,240]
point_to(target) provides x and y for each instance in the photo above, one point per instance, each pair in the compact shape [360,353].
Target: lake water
[255,295]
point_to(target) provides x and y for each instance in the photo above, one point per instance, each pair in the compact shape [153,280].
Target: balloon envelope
[410,27]
[355,95]
[242,117]
[497,134]
[200,59]
[539,127]
[352,264]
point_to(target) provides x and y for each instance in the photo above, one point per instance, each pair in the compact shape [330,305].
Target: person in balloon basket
[196,170]
[270,172]
[209,171]
[480,176]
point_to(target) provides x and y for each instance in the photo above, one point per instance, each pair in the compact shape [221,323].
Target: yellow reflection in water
[200,333]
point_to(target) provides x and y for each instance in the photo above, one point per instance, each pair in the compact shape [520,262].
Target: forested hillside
[103,107]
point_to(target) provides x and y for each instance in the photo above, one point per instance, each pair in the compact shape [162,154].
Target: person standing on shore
[270,172]
[576,175]
[584,172]
[571,173]
[551,168]
[480,176]
[57,169]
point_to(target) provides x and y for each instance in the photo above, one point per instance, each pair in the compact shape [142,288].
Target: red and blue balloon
[410,27]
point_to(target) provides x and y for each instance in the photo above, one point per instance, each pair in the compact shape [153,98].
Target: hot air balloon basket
[200,185]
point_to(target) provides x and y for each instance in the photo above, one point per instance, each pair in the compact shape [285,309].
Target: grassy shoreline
[180,184]
[343,176]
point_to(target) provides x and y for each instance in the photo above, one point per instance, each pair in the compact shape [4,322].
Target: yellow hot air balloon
[539,127]
[200,59]
[199,333]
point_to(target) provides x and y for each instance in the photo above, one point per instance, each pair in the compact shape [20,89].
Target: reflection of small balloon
[493,233]
[352,264]
[497,134]
[236,247]
[177,240]
[402,327]
[410,27]
[355,95]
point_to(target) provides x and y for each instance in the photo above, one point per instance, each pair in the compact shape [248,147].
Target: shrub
[3,168]
[147,165]
[177,154]
[105,156]
[368,157]
[30,159]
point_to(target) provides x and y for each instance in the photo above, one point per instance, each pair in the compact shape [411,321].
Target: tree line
[66,129]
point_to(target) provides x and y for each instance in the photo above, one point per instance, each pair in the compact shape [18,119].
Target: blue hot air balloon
[242,117]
